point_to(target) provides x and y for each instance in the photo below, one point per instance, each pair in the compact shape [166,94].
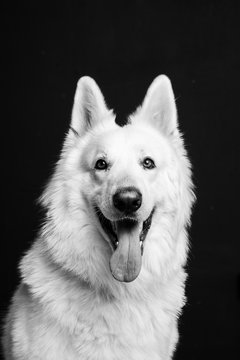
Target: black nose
[127,199]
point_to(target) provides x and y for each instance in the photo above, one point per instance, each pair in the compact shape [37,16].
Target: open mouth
[127,237]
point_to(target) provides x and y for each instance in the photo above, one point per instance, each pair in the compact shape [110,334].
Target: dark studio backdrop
[123,45]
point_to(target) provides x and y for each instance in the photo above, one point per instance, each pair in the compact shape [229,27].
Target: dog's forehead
[129,136]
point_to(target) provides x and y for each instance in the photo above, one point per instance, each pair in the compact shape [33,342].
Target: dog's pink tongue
[126,261]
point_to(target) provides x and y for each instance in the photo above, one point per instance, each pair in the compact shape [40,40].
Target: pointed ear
[159,106]
[89,106]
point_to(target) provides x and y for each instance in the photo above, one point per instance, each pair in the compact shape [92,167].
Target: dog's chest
[119,330]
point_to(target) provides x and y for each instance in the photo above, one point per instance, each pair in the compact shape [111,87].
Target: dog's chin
[127,236]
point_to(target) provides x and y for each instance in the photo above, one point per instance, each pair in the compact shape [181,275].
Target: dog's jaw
[127,237]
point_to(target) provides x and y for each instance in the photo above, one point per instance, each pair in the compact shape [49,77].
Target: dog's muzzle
[127,235]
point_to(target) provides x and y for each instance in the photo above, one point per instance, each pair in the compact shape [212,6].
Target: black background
[124,45]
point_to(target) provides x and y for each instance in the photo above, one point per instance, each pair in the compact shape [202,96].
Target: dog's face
[124,168]
[123,176]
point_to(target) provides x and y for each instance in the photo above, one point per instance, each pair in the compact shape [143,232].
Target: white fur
[68,305]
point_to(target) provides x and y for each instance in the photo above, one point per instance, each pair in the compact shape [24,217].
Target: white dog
[105,278]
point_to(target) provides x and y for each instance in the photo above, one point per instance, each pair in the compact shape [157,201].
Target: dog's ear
[159,106]
[89,106]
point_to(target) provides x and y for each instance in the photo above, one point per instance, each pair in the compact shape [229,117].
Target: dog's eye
[148,163]
[101,165]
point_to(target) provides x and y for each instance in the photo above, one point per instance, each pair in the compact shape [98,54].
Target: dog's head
[124,177]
